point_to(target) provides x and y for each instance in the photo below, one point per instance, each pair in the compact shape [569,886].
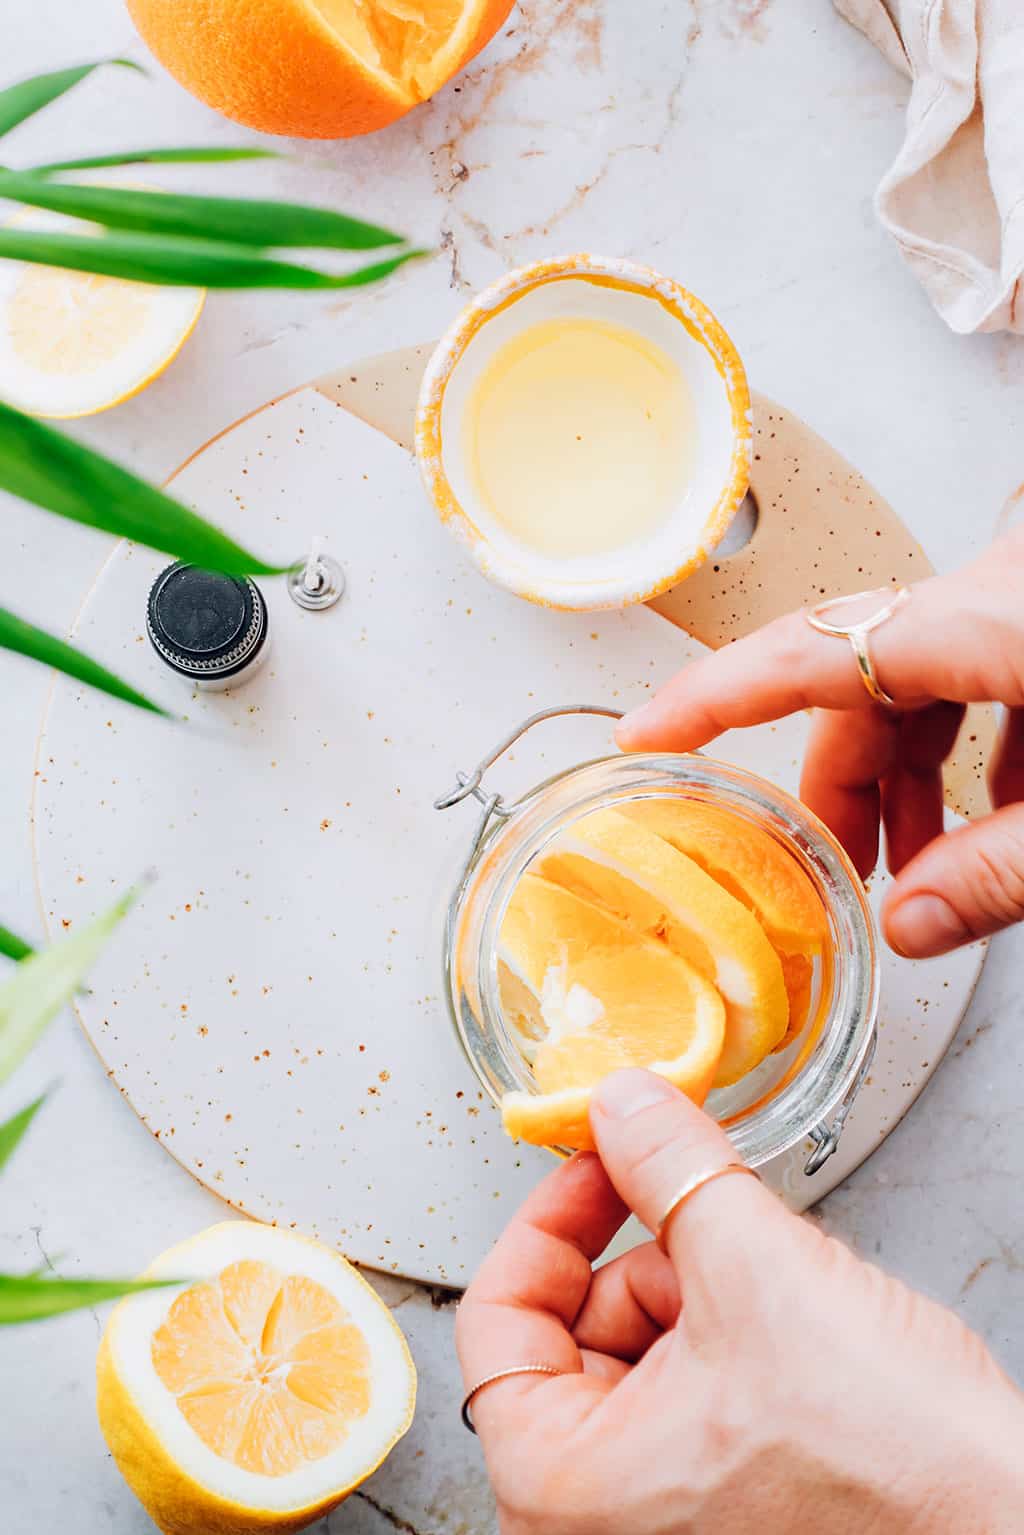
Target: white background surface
[737,149]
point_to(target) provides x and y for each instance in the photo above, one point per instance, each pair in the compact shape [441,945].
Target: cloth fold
[954,197]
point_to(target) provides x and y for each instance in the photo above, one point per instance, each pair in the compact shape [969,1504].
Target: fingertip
[633,730]
[624,1093]
[922,926]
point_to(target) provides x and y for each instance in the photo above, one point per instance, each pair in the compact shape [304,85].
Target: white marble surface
[736,145]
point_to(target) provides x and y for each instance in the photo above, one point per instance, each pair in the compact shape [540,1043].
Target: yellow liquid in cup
[580,437]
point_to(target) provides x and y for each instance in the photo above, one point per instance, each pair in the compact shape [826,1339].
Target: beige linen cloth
[954,198]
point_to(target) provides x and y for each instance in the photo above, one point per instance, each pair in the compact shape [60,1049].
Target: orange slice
[316,68]
[747,862]
[758,871]
[610,859]
[74,343]
[259,1396]
[590,995]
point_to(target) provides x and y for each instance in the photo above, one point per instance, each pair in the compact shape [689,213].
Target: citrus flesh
[744,860]
[590,995]
[615,863]
[316,68]
[760,873]
[74,343]
[258,1396]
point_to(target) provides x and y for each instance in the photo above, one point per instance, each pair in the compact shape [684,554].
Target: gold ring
[488,1380]
[690,1188]
[857,634]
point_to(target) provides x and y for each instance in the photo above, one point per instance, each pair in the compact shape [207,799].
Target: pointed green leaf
[13,946]
[12,1130]
[231,220]
[41,985]
[26,640]
[185,156]
[31,1297]
[27,96]
[53,471]
[180,263]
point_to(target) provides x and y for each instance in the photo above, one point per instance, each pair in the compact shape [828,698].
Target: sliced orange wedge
[590,995]
[758,871]
[259,1396]
[611,860]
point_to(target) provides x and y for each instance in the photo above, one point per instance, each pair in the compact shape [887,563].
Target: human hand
[794,1388]
[959,639]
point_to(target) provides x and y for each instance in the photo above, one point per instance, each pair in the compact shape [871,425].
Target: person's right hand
[758,1378]
[959,639]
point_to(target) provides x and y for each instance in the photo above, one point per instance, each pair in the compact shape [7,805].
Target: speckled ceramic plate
[273,1009]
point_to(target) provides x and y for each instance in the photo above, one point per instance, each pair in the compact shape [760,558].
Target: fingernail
[924,925]
[627,730]
[625,1093]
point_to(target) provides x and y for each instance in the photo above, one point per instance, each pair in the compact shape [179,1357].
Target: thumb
[962,886]
[653,1142]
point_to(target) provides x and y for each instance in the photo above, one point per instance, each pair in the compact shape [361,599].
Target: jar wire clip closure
[825,1135]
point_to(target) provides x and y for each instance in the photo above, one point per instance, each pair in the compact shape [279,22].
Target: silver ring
[488,1380]
[857,634]
[690,1187]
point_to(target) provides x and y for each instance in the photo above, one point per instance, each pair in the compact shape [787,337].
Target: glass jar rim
[828,1079]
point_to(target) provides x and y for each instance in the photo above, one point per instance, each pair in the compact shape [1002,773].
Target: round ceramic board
[273,1009]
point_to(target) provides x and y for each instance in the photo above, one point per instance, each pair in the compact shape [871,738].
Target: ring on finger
[857,634]
[489,1380]
[691,1187]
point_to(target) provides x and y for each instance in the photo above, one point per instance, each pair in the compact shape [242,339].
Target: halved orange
[318,69]
[758,871]
[611,860]
[591,995]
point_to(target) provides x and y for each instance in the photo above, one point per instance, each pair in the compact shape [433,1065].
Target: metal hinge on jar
[470,785]
[826,1136]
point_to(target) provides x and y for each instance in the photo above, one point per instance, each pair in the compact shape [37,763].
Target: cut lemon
[316,68]
[609,859]
[590,995]
[758,871]
[74,343]
[257,1396]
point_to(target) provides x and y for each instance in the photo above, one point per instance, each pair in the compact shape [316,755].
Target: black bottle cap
[205,625]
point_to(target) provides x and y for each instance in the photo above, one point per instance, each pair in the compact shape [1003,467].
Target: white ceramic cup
[656,308]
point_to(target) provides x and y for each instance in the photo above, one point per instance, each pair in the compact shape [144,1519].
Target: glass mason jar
[805,1090]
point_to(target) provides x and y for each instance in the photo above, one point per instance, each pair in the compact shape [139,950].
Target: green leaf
[180,263]
[53,471]
[20,101]
[26,640]
[41,985]
[231,220]
[12,1130]
[197,156]
[13,946]
[30,1297]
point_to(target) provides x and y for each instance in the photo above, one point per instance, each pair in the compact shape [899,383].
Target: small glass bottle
[211,629]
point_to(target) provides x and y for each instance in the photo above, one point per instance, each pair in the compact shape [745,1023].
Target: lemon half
[257,1396]
[74,343]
